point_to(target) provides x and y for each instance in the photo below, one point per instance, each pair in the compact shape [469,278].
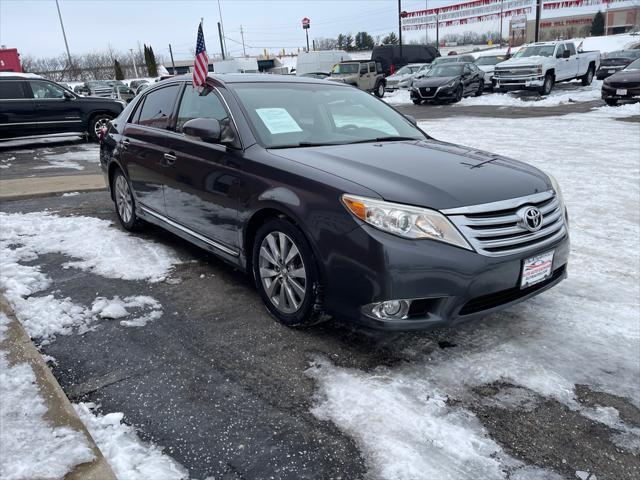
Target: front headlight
[451,84]
[539,69]
[558,191]
[404,220]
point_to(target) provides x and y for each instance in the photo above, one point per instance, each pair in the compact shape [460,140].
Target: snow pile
[398,97]
[117,308]
[129,457]
[30,447]
[609,43]
[4,162]
[584,331]
[561,94]
[70,160]
[98,247]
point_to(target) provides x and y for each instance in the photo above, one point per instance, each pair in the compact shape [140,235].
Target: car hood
[399,78]
[425,173]
[433,81]
[487,68]
[524,62]
[625,76]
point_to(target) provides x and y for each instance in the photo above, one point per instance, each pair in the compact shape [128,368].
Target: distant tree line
[354,43]
[101,65]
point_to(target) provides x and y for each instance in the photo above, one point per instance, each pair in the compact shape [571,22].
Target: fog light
[391,309]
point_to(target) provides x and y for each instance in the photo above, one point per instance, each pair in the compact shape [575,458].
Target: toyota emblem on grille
[532,219]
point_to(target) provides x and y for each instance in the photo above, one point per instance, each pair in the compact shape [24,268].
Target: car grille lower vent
[497,229]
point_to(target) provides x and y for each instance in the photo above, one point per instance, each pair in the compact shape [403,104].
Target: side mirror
[207,129]
[67,95]
[412,119]
[566,54]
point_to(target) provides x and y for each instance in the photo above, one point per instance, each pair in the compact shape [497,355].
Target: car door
[56,112]
[468,80]
[574,61]
[145,147]
[372,75]
[201,192]
[18,115]
[562,64]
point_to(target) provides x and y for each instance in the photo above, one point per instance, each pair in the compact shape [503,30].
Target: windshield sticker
[278,120]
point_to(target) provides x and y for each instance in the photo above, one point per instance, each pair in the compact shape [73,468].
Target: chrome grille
[515,72]
[496,229]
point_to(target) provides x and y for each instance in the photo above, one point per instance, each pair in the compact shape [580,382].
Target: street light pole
[64,35]
[538,12]
[244,52]
[501,20]
[400,26]
[133,57]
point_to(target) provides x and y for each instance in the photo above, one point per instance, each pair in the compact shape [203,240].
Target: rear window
[158,107]
[10,90]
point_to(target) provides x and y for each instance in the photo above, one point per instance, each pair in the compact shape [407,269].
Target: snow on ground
[70,160]
[30,447]
[149,309]
[91,245]
[39,141]
[129,457]
[583,331]
[399,97]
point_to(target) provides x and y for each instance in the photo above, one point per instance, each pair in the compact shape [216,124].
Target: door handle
[124,144]
[169,159]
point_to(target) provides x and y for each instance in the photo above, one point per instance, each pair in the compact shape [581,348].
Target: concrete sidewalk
[21,188]
[60,412]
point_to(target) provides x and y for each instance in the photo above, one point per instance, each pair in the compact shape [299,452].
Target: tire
[612,102]
[96,123]
[124,202]
[459,94]
[547,86]
[587,78]
[379,90]
[290,287]
[480,89]
[417,102]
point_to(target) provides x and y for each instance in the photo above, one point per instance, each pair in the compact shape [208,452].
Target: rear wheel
[547,86]
[587,78]
[612,102]
[286,274]
[97,123]
[379,90]
[124,202]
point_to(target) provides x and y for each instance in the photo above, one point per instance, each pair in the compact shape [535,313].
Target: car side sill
[190,232]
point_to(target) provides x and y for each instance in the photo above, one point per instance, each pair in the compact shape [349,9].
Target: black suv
[392,57]
[334,201]
[32,106]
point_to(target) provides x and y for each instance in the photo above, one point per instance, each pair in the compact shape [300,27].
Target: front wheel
[286,274]
[417,102]
[547,86]
[97,123]
[458,95]
[588,77]
[612,102]
[379,90]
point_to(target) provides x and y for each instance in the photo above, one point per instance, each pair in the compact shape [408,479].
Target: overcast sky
[33,28]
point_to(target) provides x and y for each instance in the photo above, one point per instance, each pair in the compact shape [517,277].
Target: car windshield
[492,60]
[536,51]
[635,65]
[441,60]
[285,115]
[346,68]
[446,70]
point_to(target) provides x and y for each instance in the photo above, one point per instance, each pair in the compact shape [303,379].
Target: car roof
[18,76]
[231,78]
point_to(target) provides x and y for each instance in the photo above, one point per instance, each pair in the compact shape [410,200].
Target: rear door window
[12,90]
[372,67]
[42,89]
[157,108]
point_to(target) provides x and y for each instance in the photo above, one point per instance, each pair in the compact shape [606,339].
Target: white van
[321,61]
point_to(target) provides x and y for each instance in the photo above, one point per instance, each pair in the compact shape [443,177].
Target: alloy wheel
[123,199]
[282,272]
[100,123]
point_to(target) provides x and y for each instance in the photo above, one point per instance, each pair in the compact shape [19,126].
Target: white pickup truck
[540,65]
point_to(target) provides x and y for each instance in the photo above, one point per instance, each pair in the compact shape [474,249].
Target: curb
[23,188]
[60,412]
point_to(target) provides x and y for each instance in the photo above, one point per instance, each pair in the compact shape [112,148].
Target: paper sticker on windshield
[278,120]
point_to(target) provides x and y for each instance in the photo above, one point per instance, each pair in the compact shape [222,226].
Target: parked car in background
[402,78]
[81,89]
[135,84]
[392,58]
[440,60]
[487,63]
[65,85]
[98,88]
[321,61]
[120,90]
[334,202]
[539,66]
[616,61]
[624,85]
[367,76]
[35,106]
[448,82]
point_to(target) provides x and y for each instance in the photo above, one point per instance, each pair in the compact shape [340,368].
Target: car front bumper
[518,83]
[615,93]
[448,285]
[433,94]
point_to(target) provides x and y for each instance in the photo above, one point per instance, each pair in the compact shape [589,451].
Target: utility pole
[244,53]
[221,29]
[501,19]
[437,28]
[64,35]
[133,57]
[221,42]
[426,24]
[538,10]
[400,26]
[173,64]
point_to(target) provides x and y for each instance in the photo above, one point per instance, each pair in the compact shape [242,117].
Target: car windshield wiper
[306,144]
[385,139]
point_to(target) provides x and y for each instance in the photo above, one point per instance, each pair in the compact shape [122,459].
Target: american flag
[201,63]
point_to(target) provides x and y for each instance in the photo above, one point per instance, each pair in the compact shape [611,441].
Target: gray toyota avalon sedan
[334,202]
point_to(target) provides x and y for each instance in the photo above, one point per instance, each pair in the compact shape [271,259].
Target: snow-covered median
[584,331]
